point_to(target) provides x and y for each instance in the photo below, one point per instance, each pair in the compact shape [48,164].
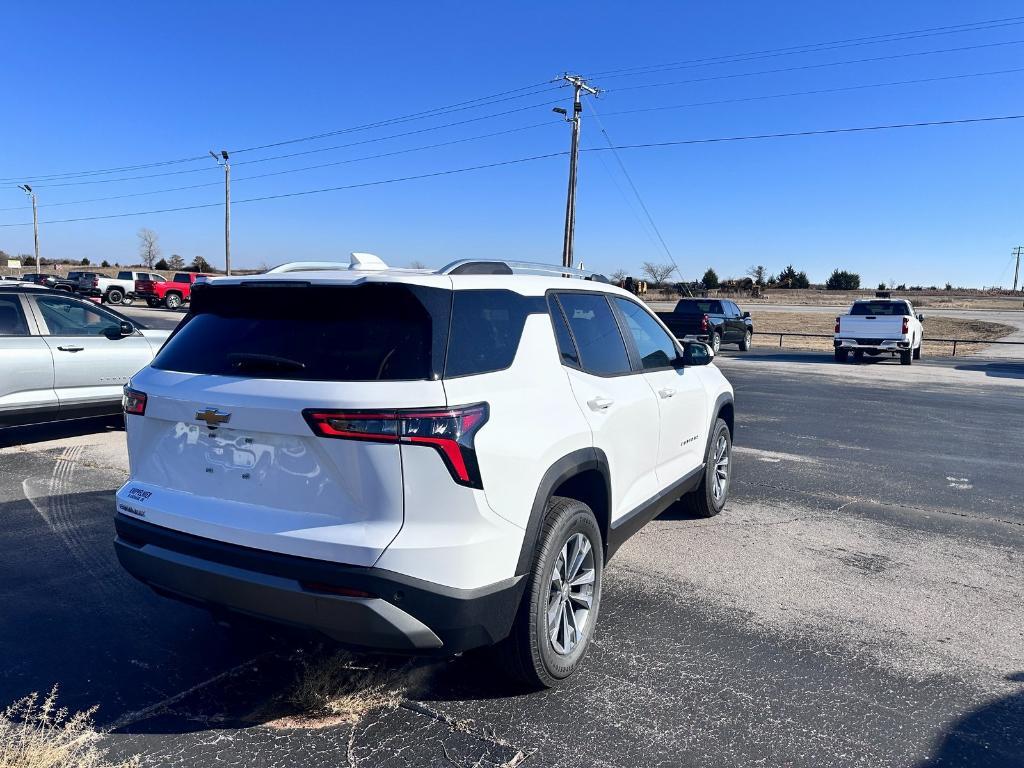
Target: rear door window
[485,331]
[180,277]
[598,341]
[374,332]
[12,317]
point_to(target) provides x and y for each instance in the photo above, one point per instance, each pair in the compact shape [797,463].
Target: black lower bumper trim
[266,584]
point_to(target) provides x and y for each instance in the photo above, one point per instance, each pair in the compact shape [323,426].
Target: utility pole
[1016,269]
[223,161]
[35,221]
[579,85]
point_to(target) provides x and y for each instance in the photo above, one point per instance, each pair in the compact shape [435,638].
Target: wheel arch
[725,409]
[582,475]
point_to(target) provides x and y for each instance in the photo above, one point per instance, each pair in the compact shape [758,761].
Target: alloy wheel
[571,594]
[721,481]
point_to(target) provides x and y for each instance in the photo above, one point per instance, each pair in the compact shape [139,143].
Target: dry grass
[817,322]
[336,688]
[37,733]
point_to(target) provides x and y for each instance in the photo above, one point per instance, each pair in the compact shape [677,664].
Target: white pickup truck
[877,326]
[114,290]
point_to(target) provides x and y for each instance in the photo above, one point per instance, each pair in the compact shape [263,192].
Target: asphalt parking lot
[858,603]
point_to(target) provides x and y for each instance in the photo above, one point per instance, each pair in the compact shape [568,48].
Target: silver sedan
[62,357]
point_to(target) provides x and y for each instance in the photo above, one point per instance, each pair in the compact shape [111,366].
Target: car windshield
[899,308]
[698,307]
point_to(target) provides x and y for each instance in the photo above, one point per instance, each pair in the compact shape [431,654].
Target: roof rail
[503,267]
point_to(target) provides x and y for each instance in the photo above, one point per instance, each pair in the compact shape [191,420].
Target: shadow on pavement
[59,430]
[783,357]
[989,737]
[999,370]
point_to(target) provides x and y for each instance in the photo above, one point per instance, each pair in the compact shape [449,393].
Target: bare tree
[657,273]
[149,246]
[619,275]
[417,265]
[758,273]
[176,263]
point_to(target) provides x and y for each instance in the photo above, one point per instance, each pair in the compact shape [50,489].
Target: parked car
[171,293]
[877,326]
[45,279]
[715,321]
[114,290]
[412,461]
[68,283]
[62,357]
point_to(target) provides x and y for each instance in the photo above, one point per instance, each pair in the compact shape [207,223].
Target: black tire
[716,342]
[917,351]
[842,355]
[858,356]
[172,301]
[703,501]
[114,296]
[905,357]
[154,303]
[529,654]
[748,336]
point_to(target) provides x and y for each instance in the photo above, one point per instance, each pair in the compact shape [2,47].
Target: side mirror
[696,353]
[126,329]
[920,318]
[746,314]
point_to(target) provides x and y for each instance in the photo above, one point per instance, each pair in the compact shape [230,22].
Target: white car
[115,290]
[416,461]
[62,357]
[879,326]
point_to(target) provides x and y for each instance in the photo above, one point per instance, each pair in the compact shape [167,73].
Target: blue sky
[120,84]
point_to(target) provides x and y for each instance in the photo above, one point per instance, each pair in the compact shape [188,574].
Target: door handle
[666,392]
[70,348]
[600,403]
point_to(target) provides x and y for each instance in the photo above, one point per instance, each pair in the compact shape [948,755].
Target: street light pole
[35,220]
[225,162]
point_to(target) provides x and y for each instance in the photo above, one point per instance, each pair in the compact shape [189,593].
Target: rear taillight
[449,431]
[133,401]
[704,324]
[95,282]
[837,325]
[906,325]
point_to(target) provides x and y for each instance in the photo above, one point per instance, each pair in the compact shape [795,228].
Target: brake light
[449,431]
[133,401]
[704,323]
[95,282]
[837,325]
[906,325]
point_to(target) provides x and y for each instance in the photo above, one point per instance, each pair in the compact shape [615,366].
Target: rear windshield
[374,332]
[880,308]
[699,307]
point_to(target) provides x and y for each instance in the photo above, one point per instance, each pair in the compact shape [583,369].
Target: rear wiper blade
[256,361]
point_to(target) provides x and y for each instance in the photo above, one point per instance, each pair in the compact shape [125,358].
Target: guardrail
[954,342]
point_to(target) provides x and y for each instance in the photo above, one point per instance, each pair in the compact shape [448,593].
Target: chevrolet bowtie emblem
[213,417]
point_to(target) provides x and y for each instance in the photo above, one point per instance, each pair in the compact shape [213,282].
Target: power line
[298,170]
[503,96]
[636,192]
[802,67]
[814,92]
[891,37]
[308,151]
[516,161]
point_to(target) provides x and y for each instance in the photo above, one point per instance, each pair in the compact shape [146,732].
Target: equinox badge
[213,417]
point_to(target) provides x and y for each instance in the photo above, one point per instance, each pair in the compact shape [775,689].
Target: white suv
[416,461]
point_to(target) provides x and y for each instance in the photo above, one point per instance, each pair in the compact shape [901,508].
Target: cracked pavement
[858,603]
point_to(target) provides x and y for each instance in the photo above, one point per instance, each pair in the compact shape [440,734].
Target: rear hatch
[224,451]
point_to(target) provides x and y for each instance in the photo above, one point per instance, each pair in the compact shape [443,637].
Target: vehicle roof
[879,301]
[525,284]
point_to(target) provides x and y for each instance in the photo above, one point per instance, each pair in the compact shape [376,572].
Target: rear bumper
[401,613]
[705,337]
[893,345]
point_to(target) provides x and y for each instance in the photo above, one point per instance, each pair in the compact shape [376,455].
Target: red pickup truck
[171,293]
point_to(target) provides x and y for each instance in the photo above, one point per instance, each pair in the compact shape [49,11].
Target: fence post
[780,341]
[954,347]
